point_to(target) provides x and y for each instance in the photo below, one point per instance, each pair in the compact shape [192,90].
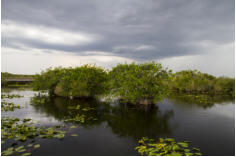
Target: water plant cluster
[79,116]
[8,106]
[201,100]
[21,149]
[133,83]
[23,130]
[165,147]
[18,132]
[10,96]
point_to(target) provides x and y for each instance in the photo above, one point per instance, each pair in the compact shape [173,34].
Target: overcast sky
[181,34]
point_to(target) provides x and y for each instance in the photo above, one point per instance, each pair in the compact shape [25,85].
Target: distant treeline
[5,76]
[10,75]
[133,83]
[193,81]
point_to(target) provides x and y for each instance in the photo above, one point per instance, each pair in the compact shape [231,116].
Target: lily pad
[60,136]
[36,146]
[26,154]
[21,150]
[72,127]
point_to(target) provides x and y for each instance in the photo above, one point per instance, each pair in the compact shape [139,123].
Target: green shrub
[193,81]
[225,85]
[84,81]
[139,83]
[49,79]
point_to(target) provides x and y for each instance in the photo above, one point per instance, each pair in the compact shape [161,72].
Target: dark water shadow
[124,120]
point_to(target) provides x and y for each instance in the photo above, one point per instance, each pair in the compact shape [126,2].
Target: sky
[181,34]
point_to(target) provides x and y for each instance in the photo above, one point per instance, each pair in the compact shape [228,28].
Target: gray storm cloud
[139,30]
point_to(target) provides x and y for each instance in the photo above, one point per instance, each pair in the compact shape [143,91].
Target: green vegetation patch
[8,106]
[134,83]
[84,81]
[165,147]
[139,83]
[10,96]
[79,115]
[5,106]
[193,81]
[23,130]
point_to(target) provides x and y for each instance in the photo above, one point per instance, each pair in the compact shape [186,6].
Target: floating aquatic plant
[80,117]
[23,130]
[6,106]
[77,118]
[10,96]
[165,147]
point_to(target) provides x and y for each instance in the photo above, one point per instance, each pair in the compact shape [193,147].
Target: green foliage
[84,81]
[80,116]
[23,130]
[165,147]
[133,83]
[225,85]
[5,106]
[10,96]
[139,83]
[48,79]
[193,81]
[8,106]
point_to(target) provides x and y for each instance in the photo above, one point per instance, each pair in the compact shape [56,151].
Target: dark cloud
[137,29]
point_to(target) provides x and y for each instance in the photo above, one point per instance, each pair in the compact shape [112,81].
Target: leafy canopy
[193,81]
[84,81]
[139,83]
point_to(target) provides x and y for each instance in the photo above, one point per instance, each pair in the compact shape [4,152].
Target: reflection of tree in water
[124,120]
[59,108]
[139,122]
[201,100]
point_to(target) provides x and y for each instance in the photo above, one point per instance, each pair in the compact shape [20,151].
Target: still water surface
[117,127]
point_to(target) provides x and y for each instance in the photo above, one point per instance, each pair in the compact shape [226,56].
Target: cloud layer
[133,29]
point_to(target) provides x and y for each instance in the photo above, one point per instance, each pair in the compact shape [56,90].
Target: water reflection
[202,101]
[134,122]
[59,108]
[117,126]
[124,120]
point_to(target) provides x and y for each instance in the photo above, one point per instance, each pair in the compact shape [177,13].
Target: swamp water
[114,129]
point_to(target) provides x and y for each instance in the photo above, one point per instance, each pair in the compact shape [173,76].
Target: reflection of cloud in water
[223,109]
[28,111]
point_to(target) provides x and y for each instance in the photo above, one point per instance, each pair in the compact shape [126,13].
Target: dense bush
[193,81]
[49,79]
[225,85]
[139,83]
[84,81]
[133,83]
